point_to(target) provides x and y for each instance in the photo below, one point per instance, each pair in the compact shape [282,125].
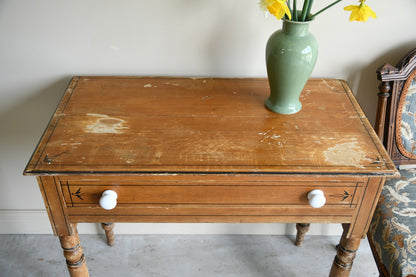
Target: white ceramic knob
[316,198]
[108,200]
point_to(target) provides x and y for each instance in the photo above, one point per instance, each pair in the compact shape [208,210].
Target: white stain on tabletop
[271,137]
[171,84]
[348,154]
[328,84]
[104,124]
[149,86]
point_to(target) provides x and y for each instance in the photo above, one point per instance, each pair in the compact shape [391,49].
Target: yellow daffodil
[360,12]
[280,9]
[277,8]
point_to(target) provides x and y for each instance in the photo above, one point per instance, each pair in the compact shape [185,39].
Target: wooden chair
[392,233]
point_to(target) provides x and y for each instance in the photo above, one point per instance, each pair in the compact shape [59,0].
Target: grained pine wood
[55,205]
[109,233]
[117,125]
[301,228]
[73,254]
[365,209]
[346,252]
[207,150]
[237,194]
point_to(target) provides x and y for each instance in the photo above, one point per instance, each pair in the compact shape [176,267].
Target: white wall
[45,42]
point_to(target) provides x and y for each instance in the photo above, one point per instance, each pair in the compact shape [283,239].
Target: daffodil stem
[324,9]
[295,13]
[308,12]
[304,10]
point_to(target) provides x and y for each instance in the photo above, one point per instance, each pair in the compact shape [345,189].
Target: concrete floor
[175,255]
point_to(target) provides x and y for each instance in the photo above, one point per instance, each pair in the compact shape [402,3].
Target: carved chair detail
[392,233]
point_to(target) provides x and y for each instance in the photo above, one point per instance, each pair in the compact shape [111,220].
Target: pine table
[164,149]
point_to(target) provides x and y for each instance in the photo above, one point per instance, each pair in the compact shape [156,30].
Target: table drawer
[77,195]
[209,198]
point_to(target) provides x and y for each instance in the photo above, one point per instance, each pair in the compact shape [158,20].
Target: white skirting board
[37,222]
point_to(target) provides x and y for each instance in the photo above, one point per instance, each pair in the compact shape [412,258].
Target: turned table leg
[346,251]
[75,258]
[109,233]
[301,228]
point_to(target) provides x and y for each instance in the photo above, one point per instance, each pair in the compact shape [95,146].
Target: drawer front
[197,194]
[211,199]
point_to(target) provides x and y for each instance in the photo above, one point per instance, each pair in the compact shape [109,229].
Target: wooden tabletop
[112,125]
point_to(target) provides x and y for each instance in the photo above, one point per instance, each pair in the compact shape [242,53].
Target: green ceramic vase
[291,55]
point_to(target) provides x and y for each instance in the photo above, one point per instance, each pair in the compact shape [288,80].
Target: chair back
[396,111]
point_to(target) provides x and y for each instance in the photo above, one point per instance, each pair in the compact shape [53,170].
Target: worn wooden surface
[109,232]
[301,228]
[346,252]
[207,150]
[117,125]
[75,259]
